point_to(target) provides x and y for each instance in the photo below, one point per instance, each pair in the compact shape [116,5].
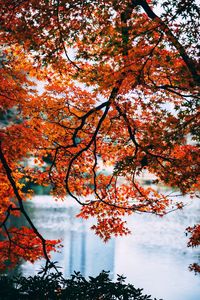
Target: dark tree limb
[21,208]
[171,37]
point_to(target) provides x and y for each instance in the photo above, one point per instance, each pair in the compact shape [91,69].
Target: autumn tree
[120,87]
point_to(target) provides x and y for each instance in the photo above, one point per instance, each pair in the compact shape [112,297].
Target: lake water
[154,257]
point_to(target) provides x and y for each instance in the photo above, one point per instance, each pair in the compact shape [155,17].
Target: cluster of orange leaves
[23,244]
[194,241]
[123,120]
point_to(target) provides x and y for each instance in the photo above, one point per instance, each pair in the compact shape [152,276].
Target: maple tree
[120,87]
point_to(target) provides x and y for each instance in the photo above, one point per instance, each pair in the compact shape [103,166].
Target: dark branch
[164,27]
[21,206]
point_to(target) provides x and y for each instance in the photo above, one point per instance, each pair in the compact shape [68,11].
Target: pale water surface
[155,257]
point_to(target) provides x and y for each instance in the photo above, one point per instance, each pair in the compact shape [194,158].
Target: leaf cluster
[127,97]
[53,286]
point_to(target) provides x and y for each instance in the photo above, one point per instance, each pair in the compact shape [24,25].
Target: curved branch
[83,150]
[107,104]
[62,40]
[84,118]
[21,206]
[164,27]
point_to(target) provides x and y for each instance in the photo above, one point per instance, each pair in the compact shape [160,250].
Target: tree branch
[188,61]
[21,206]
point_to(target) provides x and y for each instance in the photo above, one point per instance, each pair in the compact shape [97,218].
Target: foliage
[54,286]
[94,83]
[194,241]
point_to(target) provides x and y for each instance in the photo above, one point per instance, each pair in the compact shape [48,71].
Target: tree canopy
[93,82]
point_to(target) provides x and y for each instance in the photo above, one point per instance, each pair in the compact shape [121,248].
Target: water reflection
[82,250]
[154,257]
